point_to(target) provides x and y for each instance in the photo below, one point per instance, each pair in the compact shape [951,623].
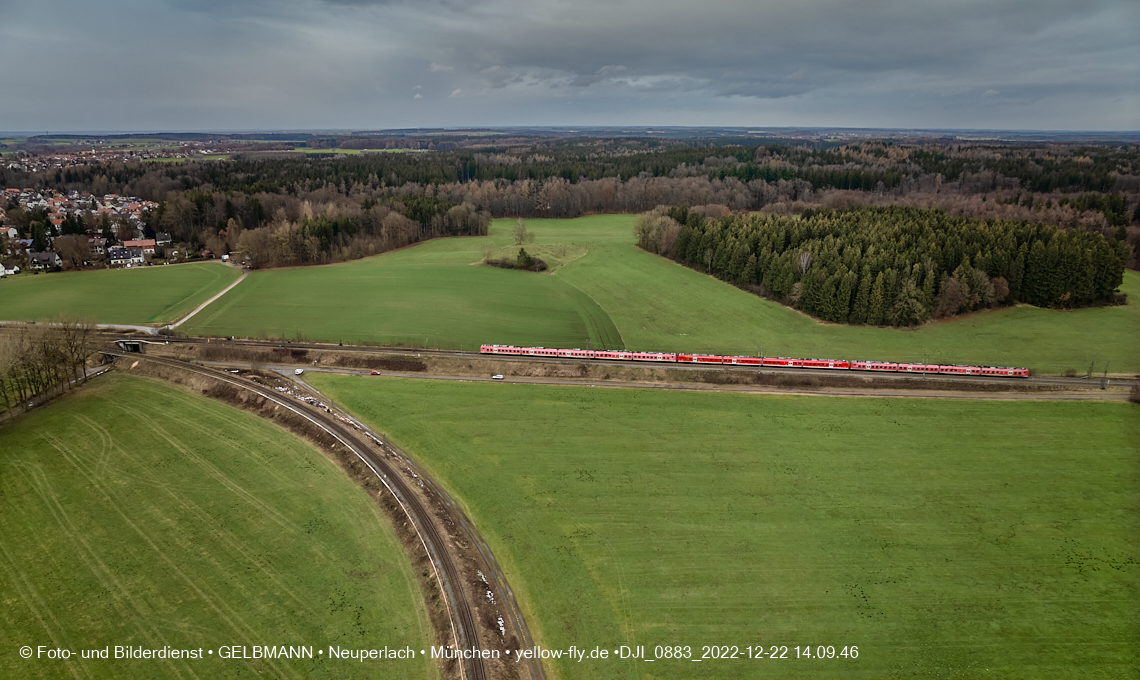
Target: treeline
[359,205]
[39,357]
[862,166]
[280,230]
[892,266]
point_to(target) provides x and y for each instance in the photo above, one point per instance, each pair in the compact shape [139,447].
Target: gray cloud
[208,64]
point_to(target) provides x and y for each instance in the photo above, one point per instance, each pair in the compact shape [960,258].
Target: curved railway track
[464,630]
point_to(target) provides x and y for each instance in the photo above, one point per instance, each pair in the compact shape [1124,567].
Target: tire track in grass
[202,518]
[269,511]
[106,577]
[28,595]
[106,442]
[211,599]
[121,595]
[230,421]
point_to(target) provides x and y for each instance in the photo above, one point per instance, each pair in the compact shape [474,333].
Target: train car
[1006,371]
[653,356]
[874,366]
[996,371]
[500,349]
[960,370]
[743,361]
[578,353]
[918,368]
[698,359]
[824,363]
[782,362]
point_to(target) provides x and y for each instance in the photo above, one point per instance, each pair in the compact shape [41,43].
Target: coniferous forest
[892,266]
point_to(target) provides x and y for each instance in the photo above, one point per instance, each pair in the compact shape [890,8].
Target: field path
[207,303]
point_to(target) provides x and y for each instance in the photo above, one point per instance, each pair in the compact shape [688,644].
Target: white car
[299,371]
[496,377]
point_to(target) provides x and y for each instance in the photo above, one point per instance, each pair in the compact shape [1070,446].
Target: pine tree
[862,298]
[1016,276]
[928,294]
[738,263]
[876,308]
[1036,284]
[843,297]
[750,271]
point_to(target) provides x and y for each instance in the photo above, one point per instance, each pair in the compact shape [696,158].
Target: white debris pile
[301,396]
[502,628]
[491,597]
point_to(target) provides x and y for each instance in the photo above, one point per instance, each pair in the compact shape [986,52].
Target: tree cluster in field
[891,266]
[36,358]
[523,260]
[454,192]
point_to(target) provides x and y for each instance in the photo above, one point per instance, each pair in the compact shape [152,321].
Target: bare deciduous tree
[804,261]
[521,234]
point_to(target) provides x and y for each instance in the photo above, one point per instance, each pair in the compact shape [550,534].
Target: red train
[831,364]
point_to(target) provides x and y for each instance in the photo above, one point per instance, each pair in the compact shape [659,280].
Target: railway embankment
[460,364]
[454,567]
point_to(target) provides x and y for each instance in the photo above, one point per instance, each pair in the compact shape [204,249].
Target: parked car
[299,371]
[375,372]
[497,377]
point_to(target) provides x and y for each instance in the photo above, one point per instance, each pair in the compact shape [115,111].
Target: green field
[431,294]
[942,538]
[139,515]
[146,295]
[604,292]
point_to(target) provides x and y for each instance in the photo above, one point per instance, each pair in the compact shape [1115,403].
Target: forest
[289,209]
[892,266]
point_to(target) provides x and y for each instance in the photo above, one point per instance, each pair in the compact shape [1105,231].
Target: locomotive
[774,362]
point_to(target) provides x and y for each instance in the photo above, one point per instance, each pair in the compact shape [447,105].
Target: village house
[125,256]
[97,244]
[145,244]
[19,246]
[43,261]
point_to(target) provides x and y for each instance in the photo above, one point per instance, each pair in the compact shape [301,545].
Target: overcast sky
[371,64]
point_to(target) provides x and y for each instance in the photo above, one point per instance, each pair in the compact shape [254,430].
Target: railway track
[464,630]
[1055,381]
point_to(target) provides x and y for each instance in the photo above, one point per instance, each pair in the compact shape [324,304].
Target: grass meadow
[434,294]
[942,538]
[146,295]
[605,292]
[136,514]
